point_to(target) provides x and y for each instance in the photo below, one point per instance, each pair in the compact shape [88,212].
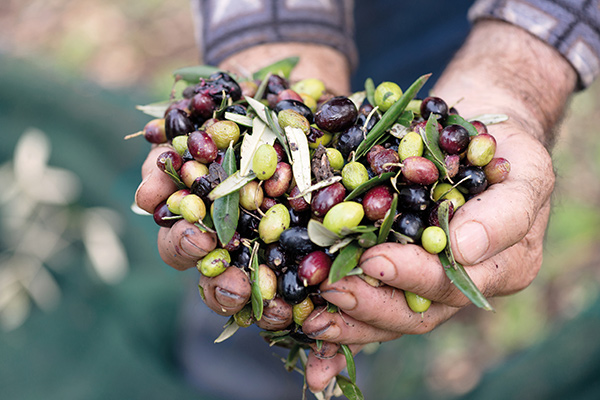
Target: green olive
[336,159]
[411,145]
[346,214]
[192,208]
[302,310]
[275,221]
[180,144]
[264,162]
[481,149]
[416,303]
[174,200]
[251,196]
[386,94]
[214,263]
[434,239]
[325,139]
[354,174]
[267,282]
[311,86]
[293,119]
[223,133]
[446,191]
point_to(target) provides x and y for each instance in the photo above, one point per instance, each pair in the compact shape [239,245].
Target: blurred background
[58,219]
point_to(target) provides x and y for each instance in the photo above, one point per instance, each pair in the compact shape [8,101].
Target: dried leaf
[490,119]
[228,330]
[239,119]
[300,159]
[317,186]
[156,110]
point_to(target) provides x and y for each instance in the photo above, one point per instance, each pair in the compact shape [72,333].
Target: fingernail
[379,267]
[329,332]
[344,300]
[472,241]
[226,298]
[190,245]
[327,351]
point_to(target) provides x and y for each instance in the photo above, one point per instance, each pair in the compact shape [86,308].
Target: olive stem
[140,133]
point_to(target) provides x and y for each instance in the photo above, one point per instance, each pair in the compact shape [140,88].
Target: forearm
[504,69]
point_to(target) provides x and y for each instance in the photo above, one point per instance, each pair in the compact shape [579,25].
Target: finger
[226,293]
[320,372]
[383,307]
[182,245]
[325,350]
[277,315]
[411,268]
[156,186]
[503,214]
[341,328]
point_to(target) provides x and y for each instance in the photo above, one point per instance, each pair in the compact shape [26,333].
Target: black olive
[298,106]
[295,241]
[290,288]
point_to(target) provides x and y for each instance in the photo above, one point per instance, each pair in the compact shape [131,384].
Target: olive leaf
[340,244]
[266,116]
[390,116]
[170,170]
[229,329]
[261,134]
[194,73]
[357,229]
[292,358]
[400,238]
[455,119]
[388,220]
[345,262]
[257,300]
[300,159]
[319,235]
[226,210]
[243,120]
[433,152]
[232,184]
[406,118]
[282,67]
[260,91]
[454,270]
[357,98]
[319,185]
[490,119]
[371,183]
[349,388]
[156,110]
[350,366]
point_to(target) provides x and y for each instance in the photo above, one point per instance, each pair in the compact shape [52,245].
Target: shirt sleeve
[225,27]
[570,26]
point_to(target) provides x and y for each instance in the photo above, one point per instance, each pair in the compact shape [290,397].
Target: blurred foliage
[136,44]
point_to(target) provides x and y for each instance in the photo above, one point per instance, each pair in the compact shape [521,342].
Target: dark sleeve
[225,27]
[570,26]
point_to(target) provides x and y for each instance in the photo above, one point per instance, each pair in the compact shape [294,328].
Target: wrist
[316,61]
[504,69]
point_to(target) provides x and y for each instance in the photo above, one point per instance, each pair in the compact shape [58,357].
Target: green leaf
[454,270]
[194,73]
[432,148]
[454,119]
[370,91]
[371,183]
[406,118]
[257,300]
[156,110]
[232,184]
[345,262]
[282,67]
[169,170]
[226,211]
[350,390]
[319,235]
[388,220]
[242,120]
[260,91]
[261,134]
[350,366]
[390,116]
[276,128]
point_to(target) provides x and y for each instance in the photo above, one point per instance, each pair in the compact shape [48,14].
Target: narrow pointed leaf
[388,220]
[257,300]
[156,110]
[370,91]
[232,184]
[371,183]
[319,235]
[454,270]
[345,262]
[300,159]
[282,67]
[193,74]
[390,116]
[350,390]
[454,119]
[490,119]
[261,134]
[229,329]
[350,366]
[432,148]
[226,211]
[243,120]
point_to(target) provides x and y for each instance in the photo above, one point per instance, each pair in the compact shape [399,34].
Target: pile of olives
[239,141]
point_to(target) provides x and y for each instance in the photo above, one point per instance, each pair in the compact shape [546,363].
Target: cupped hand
[497,236]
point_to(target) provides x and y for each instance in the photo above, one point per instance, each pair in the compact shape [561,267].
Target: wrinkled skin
[497,235]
